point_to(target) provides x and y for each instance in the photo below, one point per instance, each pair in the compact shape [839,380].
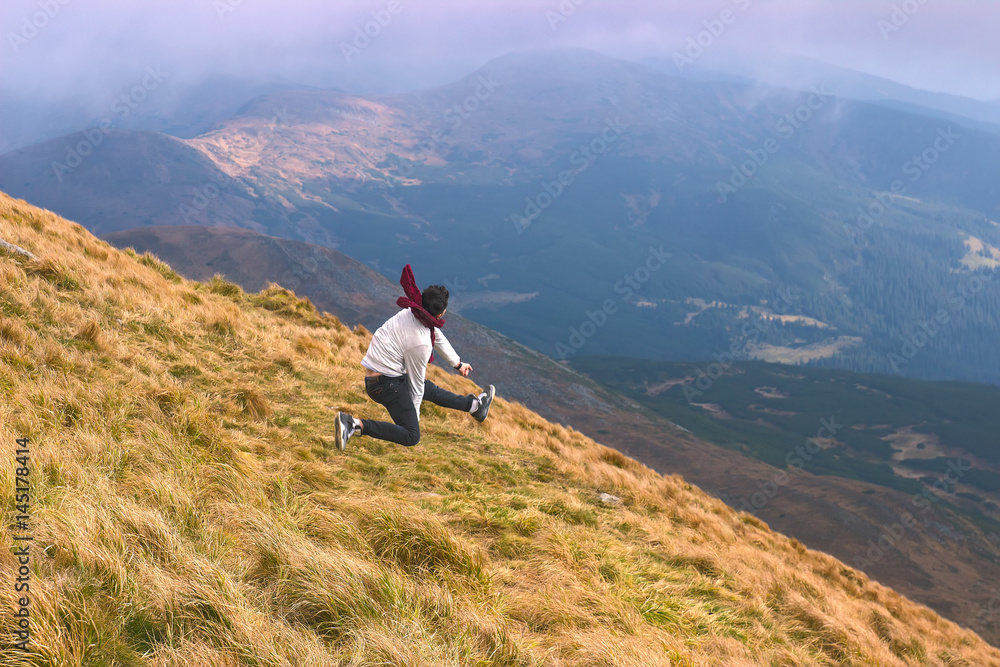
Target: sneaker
[345,429]
[485,400]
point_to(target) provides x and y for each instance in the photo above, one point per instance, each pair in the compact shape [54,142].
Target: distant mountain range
[799,73]
[179,108]
[800,226]
[157,179]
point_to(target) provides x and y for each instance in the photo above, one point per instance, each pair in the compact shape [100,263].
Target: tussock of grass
[53,272]
[192,509]
[252,403]
[284,302]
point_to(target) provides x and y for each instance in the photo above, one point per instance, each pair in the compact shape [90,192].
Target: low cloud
[80,52]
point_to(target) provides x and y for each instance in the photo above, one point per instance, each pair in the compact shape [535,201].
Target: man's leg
[394,394]
[446,399]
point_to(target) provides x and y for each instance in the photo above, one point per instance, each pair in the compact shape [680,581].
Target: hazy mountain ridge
[799,73]
[156,179]
[182,109]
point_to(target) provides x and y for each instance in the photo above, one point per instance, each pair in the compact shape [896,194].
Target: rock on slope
[189,508]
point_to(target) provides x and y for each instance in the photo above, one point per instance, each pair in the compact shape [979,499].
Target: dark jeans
[394,394]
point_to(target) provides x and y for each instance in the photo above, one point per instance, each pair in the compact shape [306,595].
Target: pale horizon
[91,50]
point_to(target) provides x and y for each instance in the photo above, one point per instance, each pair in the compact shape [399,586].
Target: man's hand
[464,370]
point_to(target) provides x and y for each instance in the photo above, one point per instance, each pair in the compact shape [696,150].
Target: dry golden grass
[191,509]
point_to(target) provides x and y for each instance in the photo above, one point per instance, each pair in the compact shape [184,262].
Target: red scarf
[415,302]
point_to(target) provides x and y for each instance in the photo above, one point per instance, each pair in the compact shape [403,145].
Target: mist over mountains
[799,73]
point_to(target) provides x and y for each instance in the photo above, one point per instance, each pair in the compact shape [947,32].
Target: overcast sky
[96,46]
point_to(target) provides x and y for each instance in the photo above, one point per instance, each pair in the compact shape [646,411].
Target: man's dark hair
[435,299]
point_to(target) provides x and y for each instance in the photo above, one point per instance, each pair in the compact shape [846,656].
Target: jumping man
[396,367]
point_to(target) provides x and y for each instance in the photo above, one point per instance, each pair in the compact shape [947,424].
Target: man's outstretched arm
[443,347]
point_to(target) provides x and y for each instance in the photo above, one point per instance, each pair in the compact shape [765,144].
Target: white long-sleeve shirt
[402,346]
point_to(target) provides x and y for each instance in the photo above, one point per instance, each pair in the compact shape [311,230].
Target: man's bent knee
[412,437]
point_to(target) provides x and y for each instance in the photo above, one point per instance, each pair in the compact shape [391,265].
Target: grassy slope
[934,569]
[192,511]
